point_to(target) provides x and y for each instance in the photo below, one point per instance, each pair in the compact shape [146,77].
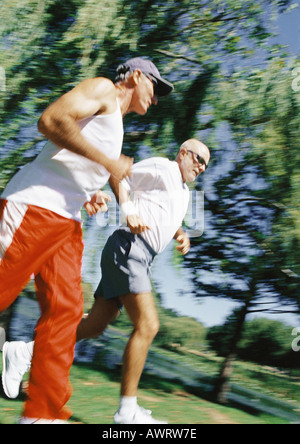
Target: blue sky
[289,29]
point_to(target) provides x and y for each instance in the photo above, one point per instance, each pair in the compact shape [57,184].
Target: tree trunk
[222,387]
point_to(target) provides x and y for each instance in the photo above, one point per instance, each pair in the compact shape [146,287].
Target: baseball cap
[162,86]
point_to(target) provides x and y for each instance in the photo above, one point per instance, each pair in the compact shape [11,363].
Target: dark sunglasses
[200,159]
[154,81]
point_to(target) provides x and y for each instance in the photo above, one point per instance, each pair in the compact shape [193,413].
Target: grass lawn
[95,399]
[96,389]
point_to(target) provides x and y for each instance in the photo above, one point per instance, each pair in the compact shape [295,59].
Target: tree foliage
[263,341]
[50,45]
[249,117]
[253,244]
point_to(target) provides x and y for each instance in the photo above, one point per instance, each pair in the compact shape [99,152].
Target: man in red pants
[40,226]
[157,193]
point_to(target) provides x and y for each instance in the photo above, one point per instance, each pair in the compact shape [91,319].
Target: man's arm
[59,121]
[184,241]
[128,210]
[122,195]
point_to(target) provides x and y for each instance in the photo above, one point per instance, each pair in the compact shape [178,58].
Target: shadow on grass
[160,384]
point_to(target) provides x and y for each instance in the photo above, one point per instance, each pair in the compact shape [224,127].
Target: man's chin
[143,112]
[191,177]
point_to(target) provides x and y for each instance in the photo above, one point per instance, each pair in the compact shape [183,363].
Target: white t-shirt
[62,181]
[160,197]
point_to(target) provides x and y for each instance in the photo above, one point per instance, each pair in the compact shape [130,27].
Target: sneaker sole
[4,351]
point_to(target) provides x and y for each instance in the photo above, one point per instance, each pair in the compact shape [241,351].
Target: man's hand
[184,242]
[136,224]
[97,203]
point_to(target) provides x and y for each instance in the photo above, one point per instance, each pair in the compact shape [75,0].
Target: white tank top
[62,181]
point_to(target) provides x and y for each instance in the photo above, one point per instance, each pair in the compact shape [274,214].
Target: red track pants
[37,241]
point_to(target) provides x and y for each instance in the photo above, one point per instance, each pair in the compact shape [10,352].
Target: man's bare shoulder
[97,83]
[99,89]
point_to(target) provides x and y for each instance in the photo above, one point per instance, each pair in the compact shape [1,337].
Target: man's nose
[154,100]
[201,168]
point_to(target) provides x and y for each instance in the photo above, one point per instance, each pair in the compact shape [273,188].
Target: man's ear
[137,76]
[182,152]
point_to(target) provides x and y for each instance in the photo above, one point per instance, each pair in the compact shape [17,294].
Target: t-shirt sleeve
[144,176]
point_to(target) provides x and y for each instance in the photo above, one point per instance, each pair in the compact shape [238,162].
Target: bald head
[196,146]
[193,157]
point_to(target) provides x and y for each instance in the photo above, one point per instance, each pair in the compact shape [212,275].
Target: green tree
[264,341]
[248,251]
[48,46]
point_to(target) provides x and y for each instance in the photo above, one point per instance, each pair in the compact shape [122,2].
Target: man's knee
[142,312]
[148,328]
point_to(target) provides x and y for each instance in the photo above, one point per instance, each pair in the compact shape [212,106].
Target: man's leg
[28,237]
[17,355]
[59,294]
[142,312]
[102,313]
[15,251]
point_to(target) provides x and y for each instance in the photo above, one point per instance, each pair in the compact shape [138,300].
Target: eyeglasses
[200,159]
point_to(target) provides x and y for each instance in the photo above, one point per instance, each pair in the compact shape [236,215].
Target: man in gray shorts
[125,265]
[153,201]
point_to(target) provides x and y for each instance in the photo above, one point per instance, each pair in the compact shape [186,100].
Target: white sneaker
[140,416]
[16,362]
[26,420]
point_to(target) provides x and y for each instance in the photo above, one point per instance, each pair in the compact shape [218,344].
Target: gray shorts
[125,264]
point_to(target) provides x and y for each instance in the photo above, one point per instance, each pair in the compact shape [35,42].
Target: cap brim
[163,87]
